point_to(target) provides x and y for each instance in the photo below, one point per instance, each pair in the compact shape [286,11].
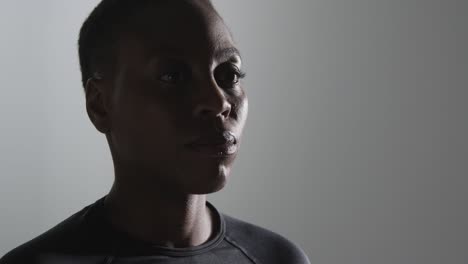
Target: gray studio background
[356,145]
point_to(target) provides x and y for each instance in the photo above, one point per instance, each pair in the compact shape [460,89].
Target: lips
[215,139]
[219,144]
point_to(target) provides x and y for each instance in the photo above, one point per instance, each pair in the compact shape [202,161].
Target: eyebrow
[224,54]
[227,53]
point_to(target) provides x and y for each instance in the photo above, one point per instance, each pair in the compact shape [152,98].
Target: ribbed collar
[123,245]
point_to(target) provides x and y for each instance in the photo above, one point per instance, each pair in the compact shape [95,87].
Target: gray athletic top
[87,238]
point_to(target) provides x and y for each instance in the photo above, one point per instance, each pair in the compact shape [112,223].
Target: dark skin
[176,79]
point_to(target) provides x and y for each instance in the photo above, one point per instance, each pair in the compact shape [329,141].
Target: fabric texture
[87,238]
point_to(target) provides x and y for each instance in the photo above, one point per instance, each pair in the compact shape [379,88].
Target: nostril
[207,113]
[226,112]
[213,109]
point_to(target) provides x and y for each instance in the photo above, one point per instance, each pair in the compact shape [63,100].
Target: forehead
[179,28]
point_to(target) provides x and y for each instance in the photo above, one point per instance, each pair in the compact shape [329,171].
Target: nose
[211,102]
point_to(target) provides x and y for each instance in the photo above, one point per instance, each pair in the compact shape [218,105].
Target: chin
[209,189]
[211,182]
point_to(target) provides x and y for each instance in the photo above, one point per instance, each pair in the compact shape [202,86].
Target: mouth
[215,145]
[219,150]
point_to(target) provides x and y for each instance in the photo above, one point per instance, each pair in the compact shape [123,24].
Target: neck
[159,217]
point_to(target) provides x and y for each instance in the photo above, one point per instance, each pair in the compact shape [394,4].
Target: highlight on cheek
[239,105]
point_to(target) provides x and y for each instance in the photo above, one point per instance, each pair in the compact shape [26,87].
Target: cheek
[240,113]
[144,130]
[245,108]
[240,107]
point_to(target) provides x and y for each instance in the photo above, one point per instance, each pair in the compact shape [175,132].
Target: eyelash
[241,74]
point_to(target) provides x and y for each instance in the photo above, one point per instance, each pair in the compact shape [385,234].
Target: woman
[163,83]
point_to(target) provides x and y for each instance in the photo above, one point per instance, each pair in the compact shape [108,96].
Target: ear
[96,104]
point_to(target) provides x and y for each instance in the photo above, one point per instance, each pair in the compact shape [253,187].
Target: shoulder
[262,245]
[62,239]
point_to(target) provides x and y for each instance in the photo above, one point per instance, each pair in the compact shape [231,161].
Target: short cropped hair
[99,34]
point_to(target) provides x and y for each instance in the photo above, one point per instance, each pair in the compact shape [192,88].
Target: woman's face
[178,107]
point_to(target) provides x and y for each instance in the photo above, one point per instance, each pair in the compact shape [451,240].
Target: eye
[172,72]
[228,76]
[172,77]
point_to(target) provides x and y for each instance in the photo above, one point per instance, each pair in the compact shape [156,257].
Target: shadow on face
[176,85]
